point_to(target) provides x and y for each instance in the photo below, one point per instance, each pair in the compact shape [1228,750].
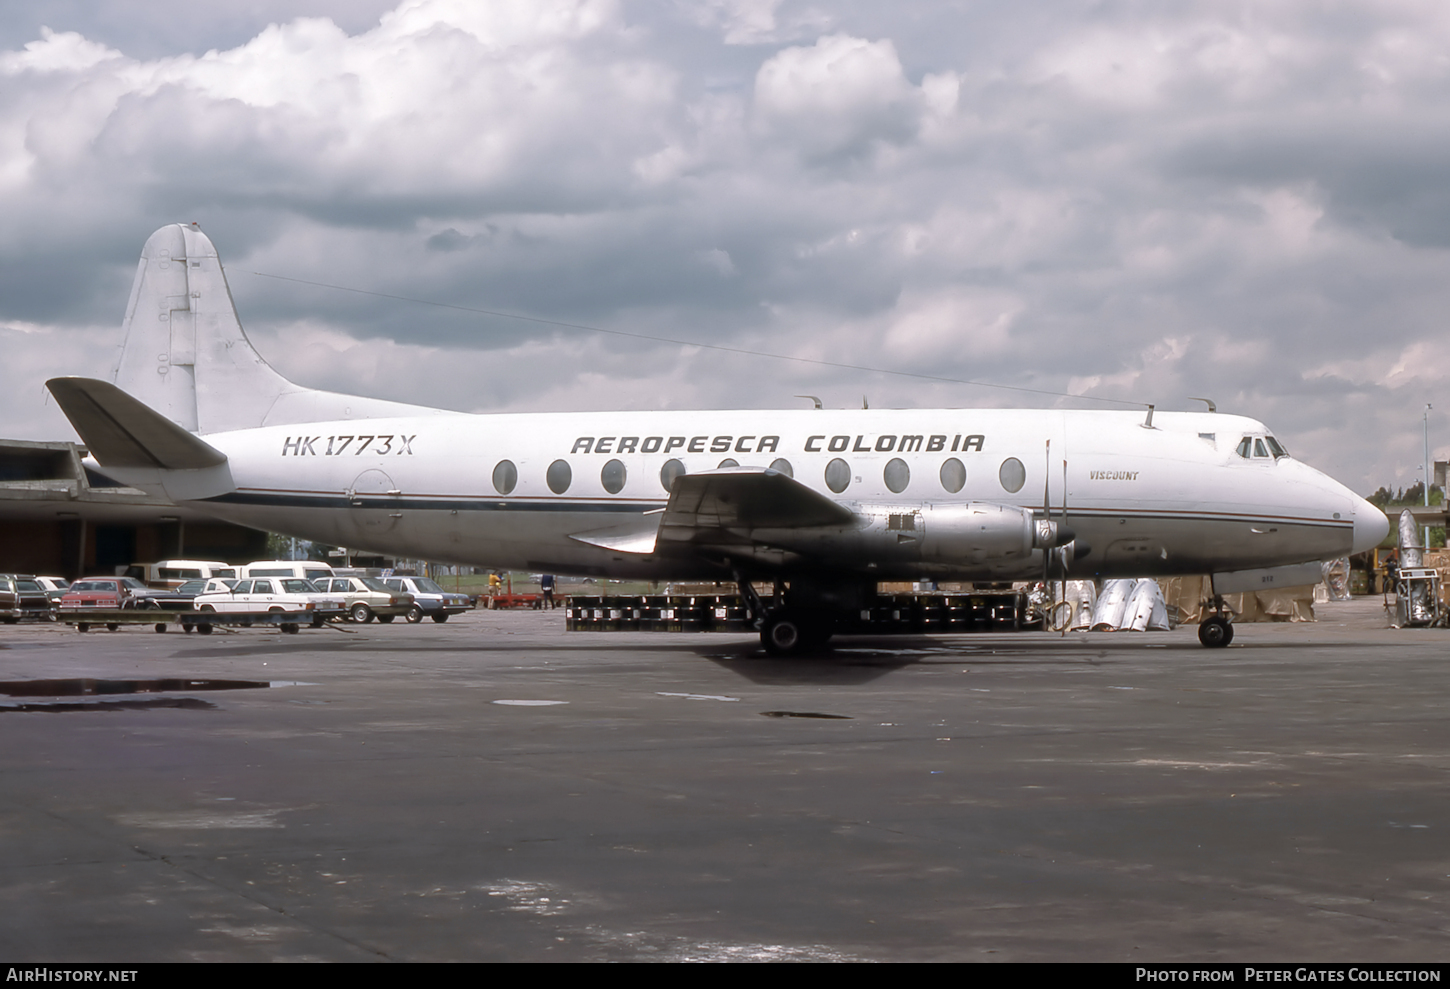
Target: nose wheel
[1215,632]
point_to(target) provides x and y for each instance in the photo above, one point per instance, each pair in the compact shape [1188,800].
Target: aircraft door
[373,503]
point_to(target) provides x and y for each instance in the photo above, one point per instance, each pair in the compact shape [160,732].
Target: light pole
[1425,537]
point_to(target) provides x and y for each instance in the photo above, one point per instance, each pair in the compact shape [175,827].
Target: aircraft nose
[1370,526]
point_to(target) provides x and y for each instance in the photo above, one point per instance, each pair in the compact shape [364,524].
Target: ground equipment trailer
[202,622]
[886,614]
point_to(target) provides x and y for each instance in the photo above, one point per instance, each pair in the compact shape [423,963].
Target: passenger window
[671,470]
[505,477]
[559,476]
[838,475]
[953,475]
[727,462]
[1012,475]
[897,475]
[612,477]
[782,466]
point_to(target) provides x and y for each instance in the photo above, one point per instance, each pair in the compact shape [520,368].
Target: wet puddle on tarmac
[87,687]
[805,714]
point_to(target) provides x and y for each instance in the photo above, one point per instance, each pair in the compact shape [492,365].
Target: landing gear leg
[752,600]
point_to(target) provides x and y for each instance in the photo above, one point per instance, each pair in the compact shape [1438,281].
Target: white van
[307,569]
[174,573]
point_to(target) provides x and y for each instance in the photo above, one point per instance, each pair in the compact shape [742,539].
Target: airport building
[58,518]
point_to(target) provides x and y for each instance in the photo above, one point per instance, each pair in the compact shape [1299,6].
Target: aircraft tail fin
[119,431]
[186,355]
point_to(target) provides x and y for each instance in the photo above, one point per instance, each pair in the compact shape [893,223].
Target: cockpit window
[1260,448]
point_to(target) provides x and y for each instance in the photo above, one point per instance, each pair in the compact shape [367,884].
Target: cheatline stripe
[497,503]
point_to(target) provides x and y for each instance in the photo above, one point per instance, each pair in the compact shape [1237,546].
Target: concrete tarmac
[498,789]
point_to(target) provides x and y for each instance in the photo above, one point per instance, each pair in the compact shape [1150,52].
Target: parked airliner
[824,502]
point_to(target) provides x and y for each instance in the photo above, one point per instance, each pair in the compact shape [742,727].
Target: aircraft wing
[721,508]
[743,498]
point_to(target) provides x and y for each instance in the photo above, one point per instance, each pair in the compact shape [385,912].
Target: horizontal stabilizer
[122,432]
[739,499]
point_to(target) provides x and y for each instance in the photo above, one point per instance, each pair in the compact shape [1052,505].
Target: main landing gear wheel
[791,633]
[1215,632]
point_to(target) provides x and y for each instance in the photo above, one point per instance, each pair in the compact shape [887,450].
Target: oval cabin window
[559,476]
[505,477]
[897,475]
[671,470]
[1012,475]
[612,477]
[953,475]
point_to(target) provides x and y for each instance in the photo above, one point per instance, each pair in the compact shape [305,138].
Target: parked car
[55,587]
[35,600]
[306,569]
[117,592]
[200,585]
[429,599]
[366,597]
[172,573]
[269,595]
[9,601]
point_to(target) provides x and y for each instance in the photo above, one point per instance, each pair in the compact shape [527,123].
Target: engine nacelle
[983,537]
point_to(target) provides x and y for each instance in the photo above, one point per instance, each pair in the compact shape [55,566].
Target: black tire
[207,609]
[1215,632]
[112,626]
[187,626]
[82,627]
[386,619]
[361,613]
[317,621]
[161,626]
[441,617]
[415,615]
[792,633]
[291,629]
[204,629]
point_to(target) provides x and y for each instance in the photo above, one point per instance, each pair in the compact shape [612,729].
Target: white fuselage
[476,489]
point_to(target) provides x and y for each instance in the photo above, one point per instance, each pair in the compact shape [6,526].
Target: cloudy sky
[1127,200]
